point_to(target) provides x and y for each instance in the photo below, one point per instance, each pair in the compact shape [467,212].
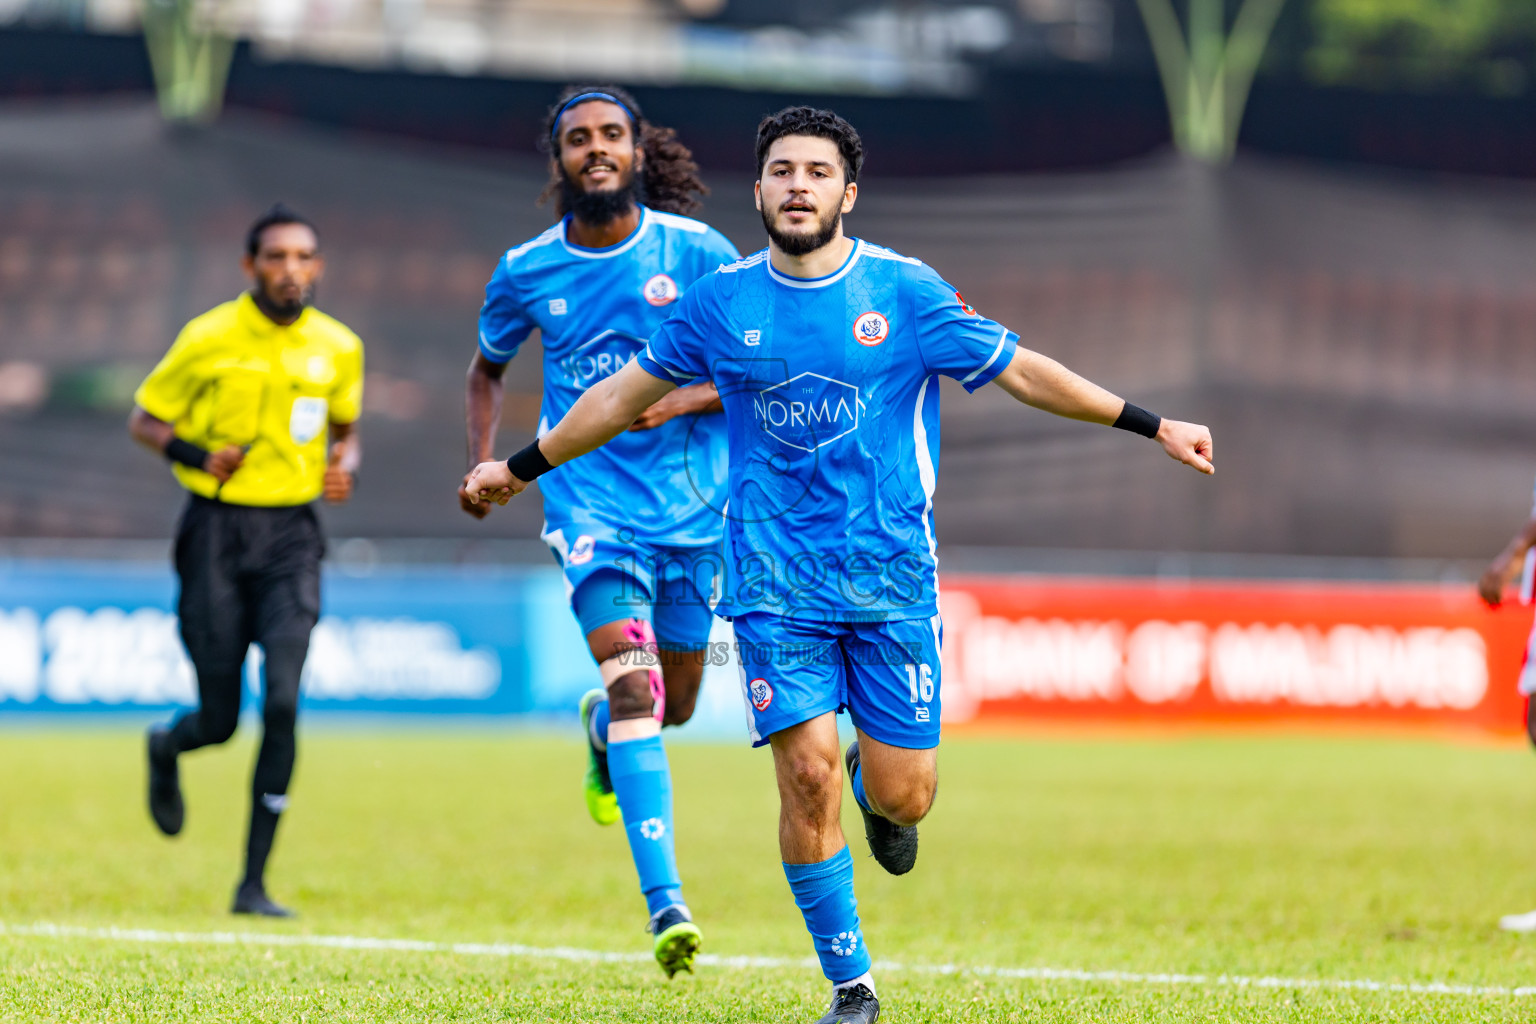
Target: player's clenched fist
[490,481]
[1189,443]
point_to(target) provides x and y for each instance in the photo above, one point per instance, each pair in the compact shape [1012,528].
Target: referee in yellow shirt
[255,406]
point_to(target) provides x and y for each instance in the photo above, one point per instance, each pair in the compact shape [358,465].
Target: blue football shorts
[609,580]
[885,674]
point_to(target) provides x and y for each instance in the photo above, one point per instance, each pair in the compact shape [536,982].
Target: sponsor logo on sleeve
[966,309]
[660,290]
[870,329]
[557,307]
[762,694]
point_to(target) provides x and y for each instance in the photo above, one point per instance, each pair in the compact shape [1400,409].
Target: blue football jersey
[595,308]
[832,407]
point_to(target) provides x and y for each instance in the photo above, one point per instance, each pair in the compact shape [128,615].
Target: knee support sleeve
[640,658]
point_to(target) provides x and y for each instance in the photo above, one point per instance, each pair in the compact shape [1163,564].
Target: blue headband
[554,130]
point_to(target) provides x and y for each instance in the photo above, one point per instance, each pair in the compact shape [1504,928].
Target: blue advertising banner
[102,636]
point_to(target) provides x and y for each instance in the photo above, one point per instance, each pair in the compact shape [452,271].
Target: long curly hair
[668,180]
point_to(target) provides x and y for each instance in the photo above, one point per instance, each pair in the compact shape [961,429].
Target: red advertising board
[1191,650]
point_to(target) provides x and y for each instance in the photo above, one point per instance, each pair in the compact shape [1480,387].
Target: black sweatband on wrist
[530,463]
[185,452]
[1138,421]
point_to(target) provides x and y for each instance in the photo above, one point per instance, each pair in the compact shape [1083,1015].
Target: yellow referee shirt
[234,377]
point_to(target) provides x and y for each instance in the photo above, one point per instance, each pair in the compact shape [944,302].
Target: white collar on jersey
[612,250]
[818,282]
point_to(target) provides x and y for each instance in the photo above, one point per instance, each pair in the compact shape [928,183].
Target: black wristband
[185,452]
[1138,421]
[530,463]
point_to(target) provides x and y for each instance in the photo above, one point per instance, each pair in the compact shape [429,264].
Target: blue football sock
[598,730]
[643,783]
[858,785]
[824,894]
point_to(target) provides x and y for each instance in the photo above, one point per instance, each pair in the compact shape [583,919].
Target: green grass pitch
[1326,858]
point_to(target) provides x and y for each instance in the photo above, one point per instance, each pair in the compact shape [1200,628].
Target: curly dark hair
[669,178]
[277,214]
[823,124]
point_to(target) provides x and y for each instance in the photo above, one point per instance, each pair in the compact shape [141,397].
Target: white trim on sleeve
[1002,342]
[670,372]
[491,349]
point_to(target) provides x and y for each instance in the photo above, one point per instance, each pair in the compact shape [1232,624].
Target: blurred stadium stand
[1363,344]
[1018,115]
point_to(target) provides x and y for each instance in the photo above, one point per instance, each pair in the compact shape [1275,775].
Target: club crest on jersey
[659,290]
[870,329]
[581,551]
[762,694]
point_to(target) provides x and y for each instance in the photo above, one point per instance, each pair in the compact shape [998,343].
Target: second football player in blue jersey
[826,351]
[634,527]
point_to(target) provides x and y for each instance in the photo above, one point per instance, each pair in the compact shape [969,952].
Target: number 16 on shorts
[920,679]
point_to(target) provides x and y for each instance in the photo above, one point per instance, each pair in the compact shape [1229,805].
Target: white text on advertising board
[112,656]
[1154,662]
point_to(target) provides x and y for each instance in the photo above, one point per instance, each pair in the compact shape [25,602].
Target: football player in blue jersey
[633,527]
[826,351]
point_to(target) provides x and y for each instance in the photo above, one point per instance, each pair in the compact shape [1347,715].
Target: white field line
[513,950]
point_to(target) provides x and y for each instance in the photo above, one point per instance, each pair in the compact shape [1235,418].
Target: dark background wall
[1363,343]
[1362,339]
[1020,121]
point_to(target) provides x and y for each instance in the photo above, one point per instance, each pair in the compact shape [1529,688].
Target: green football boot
[677,940]
[601,803]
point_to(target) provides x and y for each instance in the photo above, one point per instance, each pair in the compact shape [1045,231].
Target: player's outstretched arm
[1044,383]
[602,413]
[1501,571]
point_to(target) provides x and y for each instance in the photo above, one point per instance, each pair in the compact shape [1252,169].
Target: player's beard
[799,243]
[600,207]
[284,309]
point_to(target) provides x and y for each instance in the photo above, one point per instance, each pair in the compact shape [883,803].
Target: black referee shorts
[248,575]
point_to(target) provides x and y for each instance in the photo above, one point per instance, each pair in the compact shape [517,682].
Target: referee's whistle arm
[155,433]
[340,467]
[221,465]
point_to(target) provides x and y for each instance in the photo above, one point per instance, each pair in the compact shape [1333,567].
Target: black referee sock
[258,843]
[274,764]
